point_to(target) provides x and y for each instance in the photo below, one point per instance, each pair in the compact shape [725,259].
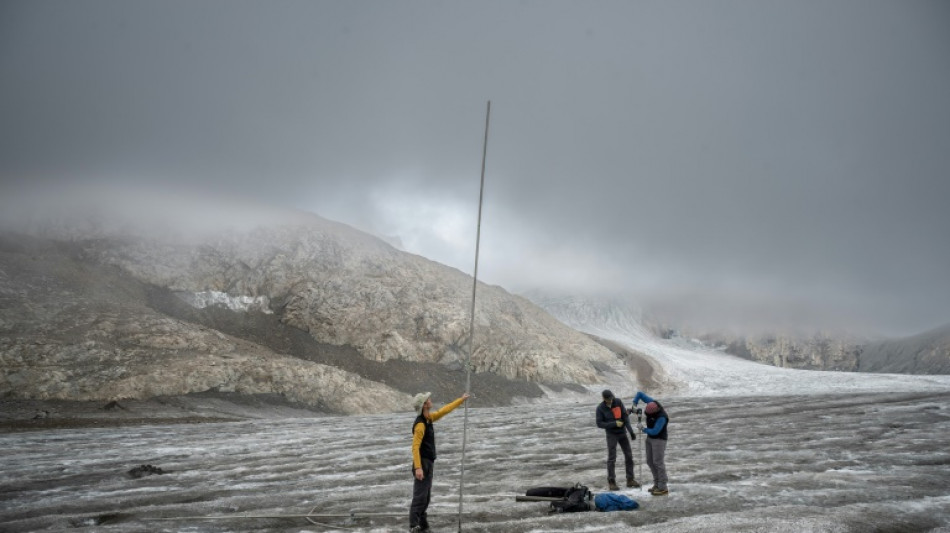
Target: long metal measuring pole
[471,326]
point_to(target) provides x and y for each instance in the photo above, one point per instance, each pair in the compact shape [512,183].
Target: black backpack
[574,499]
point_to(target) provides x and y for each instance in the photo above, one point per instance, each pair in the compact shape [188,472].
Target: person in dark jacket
[656,430]
[423,457]
[613,418]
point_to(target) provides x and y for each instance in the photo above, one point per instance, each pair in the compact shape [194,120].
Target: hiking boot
[632,483]
[612,485]
[659,492]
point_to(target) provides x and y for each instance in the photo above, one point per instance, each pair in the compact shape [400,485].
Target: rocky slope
[819,351]
[926,353]
[106,307]
[71,329]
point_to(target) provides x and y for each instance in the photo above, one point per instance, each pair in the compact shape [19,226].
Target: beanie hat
[607,394]
[651,408]
[419,400]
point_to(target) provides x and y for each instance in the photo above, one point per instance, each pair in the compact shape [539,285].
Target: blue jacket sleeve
[641,396]
[657,428]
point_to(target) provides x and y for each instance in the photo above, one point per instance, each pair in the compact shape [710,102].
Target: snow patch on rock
[204,299]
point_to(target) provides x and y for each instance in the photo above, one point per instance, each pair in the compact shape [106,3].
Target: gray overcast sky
[737,159]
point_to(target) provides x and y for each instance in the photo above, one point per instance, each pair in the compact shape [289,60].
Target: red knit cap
[652,407]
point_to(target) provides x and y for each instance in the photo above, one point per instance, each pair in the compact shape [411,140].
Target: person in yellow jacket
[423,456]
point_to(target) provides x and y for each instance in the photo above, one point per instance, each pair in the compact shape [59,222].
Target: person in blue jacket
[656,430]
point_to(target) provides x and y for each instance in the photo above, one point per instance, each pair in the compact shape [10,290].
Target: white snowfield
[203,299]
[689,369]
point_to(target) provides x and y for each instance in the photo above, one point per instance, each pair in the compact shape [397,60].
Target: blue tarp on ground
[608,501]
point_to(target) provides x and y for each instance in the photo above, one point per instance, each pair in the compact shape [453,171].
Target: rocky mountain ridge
[926,353]
[299,306]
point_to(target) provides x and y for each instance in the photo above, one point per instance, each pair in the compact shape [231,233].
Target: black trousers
[421,494]
[613,440]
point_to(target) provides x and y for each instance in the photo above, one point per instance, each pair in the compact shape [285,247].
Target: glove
[633,435]
[640,427]
[620,423]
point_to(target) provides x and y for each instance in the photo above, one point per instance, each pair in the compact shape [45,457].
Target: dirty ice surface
[851,462]
[752,448]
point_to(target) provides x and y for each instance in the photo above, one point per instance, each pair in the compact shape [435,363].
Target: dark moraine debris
[145,470]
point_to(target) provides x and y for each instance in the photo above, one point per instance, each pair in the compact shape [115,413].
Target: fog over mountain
[926,353]
[237,236]
[928,350]
[737,166]
[110,299]
[140,296]
[224,353]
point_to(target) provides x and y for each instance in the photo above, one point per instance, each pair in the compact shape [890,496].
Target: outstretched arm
[448,408]
[641,396]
